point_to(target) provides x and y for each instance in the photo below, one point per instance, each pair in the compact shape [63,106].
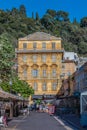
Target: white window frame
[53,58]
[44,73]
[35,73]
[25,72]
[24,58]
[44,86]
[35,86]
[43,58]
[24,45]
[68,73]
[53,72]
[34,45]
[34,58]
[53,45]
[54,86]
[44,46]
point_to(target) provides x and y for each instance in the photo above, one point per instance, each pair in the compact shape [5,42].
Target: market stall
[9,103]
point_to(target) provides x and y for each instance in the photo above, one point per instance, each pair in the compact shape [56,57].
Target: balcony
[38,51]
[43,77]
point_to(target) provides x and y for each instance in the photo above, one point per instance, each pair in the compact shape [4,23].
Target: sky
[76,8]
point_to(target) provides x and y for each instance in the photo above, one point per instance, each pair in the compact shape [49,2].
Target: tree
[75,21]
[82,48]
[15,23]
[32,15]
[48,22]
[37,17]
[83,22]
[22,10]
[18,86]
[62,16]
[14,12]
[22,87]
[6,56]
[51,12]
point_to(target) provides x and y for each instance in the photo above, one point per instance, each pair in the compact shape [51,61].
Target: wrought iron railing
[40,51]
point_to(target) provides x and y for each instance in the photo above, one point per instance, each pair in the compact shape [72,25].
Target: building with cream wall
[39,57]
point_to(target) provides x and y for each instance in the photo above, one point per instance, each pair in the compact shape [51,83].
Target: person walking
[5,120]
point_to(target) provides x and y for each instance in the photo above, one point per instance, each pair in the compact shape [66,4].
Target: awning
[43,96]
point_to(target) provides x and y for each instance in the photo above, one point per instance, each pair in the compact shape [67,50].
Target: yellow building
[40,61]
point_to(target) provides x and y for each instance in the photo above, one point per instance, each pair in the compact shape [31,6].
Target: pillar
[11,109]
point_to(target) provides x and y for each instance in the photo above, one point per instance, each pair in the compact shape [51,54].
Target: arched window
[53,72]
[25,72]
[44,73]
[34,73]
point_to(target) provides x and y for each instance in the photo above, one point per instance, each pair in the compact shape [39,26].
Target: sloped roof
[40,36]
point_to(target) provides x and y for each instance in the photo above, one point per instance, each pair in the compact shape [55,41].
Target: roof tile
[40,36]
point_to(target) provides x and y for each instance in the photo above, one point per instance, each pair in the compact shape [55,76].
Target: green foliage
[51,12]
[62,16]
[37,16]
[18,86]
[16,23]
[83,22]
[22,87]
[32,15]
[82,47]
[38,101]
[22,11]
[6,55]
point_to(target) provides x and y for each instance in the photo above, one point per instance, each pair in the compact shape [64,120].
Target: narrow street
[37,121]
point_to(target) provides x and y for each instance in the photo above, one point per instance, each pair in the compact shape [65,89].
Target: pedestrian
[35,106]
[5,120]
[40,108]
[1,121]
[28,111]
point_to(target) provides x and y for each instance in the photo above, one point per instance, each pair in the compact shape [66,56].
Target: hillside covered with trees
[17,24]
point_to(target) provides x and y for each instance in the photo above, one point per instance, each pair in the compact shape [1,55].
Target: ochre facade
[40,62]
[68,70]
